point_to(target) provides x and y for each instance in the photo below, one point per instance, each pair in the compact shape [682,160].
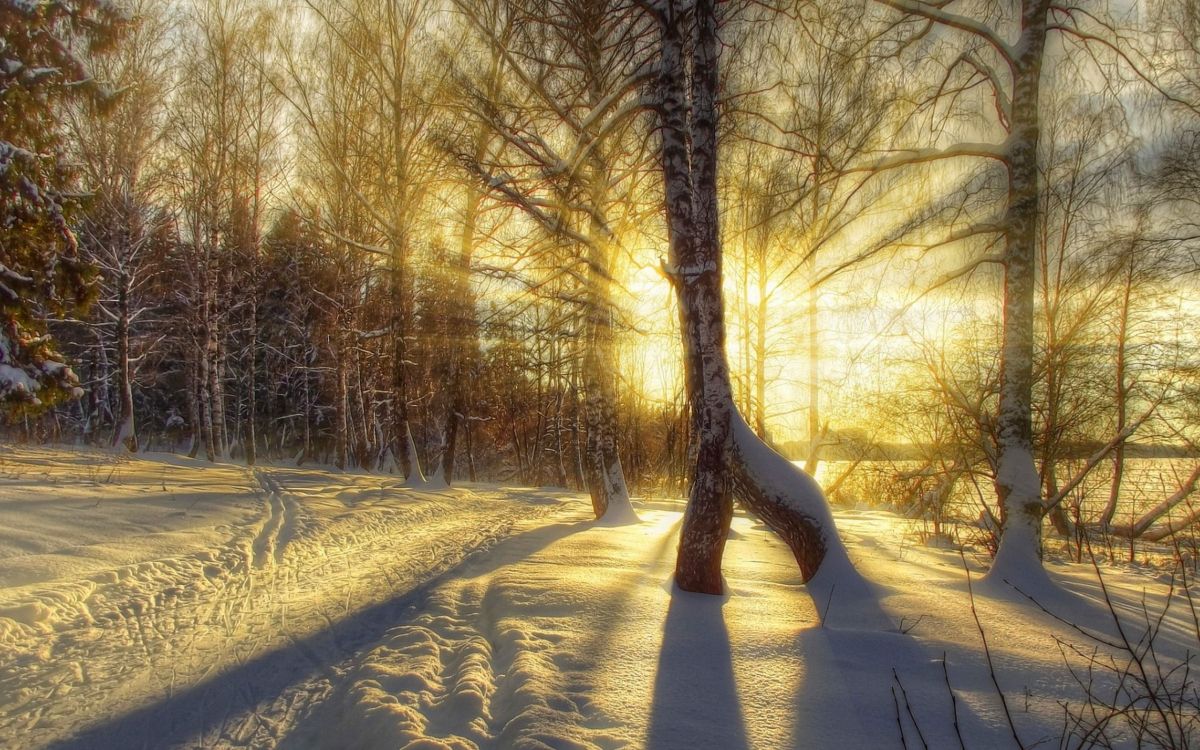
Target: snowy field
[162,602]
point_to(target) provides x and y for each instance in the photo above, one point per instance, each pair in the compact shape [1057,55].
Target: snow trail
[275,567]
[279,525]
[481,659]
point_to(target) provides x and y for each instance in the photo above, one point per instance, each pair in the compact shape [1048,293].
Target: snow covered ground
[162,602]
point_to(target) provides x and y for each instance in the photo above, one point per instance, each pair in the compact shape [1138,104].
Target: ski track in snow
[480,661]
[279,526]
[308,559]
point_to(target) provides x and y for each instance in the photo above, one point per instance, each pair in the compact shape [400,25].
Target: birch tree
[557,129]
[207,123]
[730,458]
[817,109]
[330,92]
[125,229]
[383,44]
[1007,52]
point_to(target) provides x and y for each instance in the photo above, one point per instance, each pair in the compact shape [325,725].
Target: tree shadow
[185,716]
[857,686]
[617,602]
[695,700]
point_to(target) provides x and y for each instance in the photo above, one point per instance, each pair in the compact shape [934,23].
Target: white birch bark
[1018,484]
[730,456]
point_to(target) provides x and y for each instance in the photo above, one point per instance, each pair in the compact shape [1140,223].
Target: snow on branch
[946,18]
[911,157]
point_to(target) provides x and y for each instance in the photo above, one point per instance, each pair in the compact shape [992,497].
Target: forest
[429,238]
[782,258]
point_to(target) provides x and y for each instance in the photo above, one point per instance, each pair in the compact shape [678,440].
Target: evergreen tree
[42,68]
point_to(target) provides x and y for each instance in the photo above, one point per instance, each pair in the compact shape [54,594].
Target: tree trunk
[729,456]
[306,452]
[124,434]
[403,446]
[341,417]
[251,437]
[606,478]
[206,396]
[194,399]
[462,334]
[760,344]
[696,278]
[815,436]
[216,389]
[578,429]
[1141,528]
[1017,481]
[366,436]
[470,452]
[1058,517]
[1121,395]
[607,487]
[560,463]
[788,501]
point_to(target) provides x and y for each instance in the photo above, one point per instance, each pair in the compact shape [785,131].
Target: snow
[1017,559]
[159,601]
[15,382]
[1019,472]
[22,381]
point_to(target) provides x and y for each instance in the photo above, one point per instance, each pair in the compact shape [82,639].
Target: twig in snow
[1086,633]
[1191,603]
[953,703]
[908,707]
[906,627]
[899,721]
[828,604]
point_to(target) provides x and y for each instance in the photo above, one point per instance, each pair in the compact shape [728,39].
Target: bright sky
[872,322]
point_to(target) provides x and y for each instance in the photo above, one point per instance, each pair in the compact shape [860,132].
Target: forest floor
[157,601]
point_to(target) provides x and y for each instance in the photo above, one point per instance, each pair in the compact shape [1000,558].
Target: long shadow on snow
[600,637]
[695,695]
[189,714]
[844,693]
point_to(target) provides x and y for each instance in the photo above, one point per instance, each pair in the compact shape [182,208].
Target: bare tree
[556,128]
[124,232]
[816,108]
[1006,53]
[730,458]
[383,45]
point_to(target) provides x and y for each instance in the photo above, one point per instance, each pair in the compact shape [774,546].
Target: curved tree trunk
[1144,526]
[730,457]
[787,500]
